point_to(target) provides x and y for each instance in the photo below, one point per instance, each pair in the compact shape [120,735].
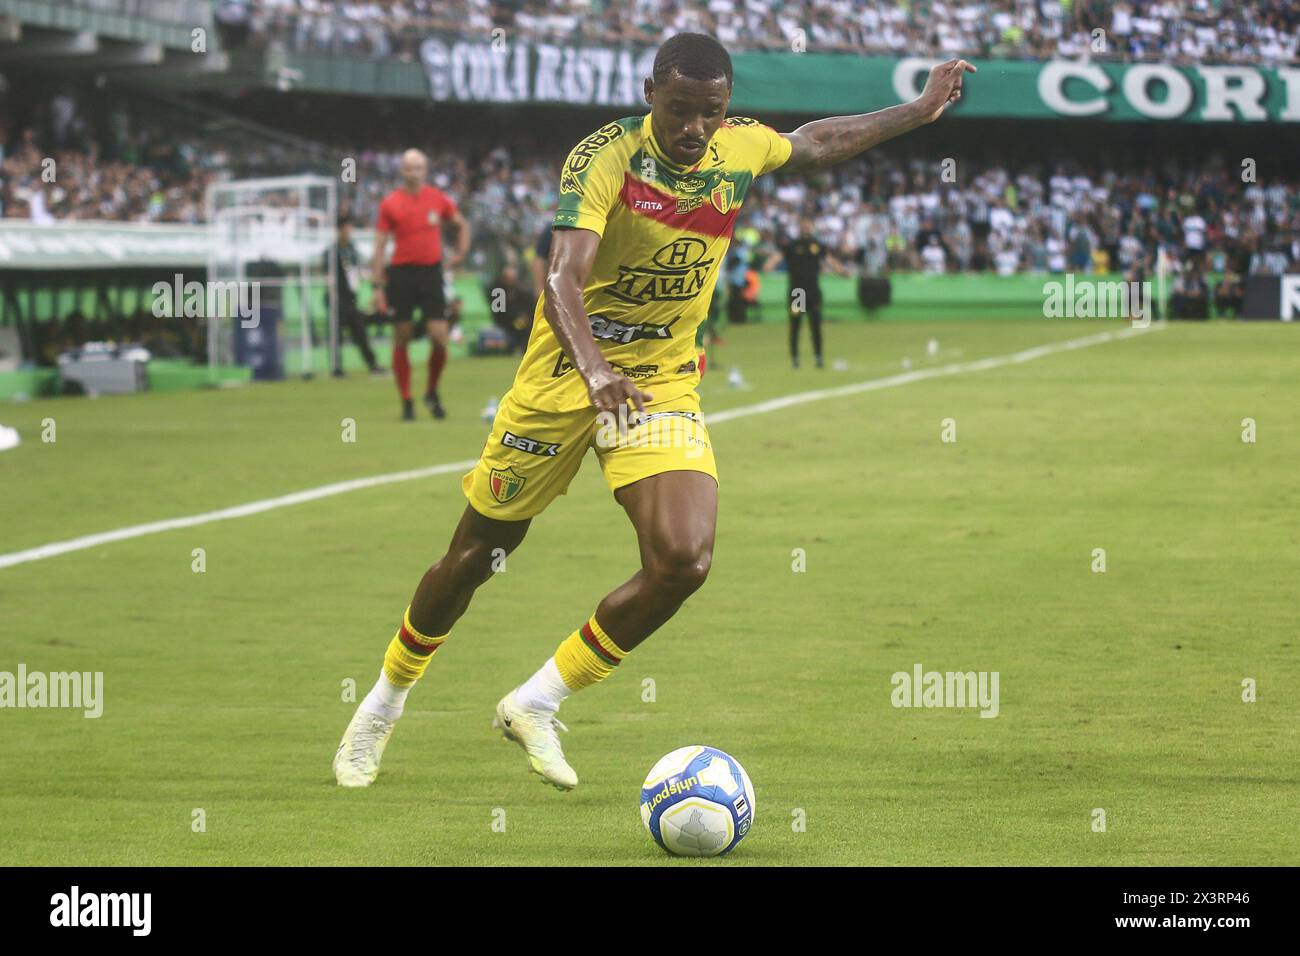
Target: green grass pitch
[1119,691]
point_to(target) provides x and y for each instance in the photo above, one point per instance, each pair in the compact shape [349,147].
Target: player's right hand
[609,390]
[943,87]
[379,303]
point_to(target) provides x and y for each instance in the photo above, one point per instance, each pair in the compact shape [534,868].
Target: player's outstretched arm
[825,142]
[572,253]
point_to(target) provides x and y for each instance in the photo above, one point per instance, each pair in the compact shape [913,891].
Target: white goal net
[270,238]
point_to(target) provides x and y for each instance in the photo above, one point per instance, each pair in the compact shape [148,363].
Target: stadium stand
[132,151]
[880,211]
[1176,31]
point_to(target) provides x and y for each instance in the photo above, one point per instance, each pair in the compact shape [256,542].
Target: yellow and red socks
[405,662]
[585,657]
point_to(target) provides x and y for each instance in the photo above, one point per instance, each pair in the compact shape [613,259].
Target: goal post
[270,238]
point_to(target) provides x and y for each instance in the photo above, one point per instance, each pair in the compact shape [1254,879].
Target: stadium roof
[173,36]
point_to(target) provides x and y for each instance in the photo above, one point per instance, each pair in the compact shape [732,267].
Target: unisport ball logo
[697,801]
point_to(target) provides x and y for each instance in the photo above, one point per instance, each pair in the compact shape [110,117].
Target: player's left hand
[610,389]
[943,87]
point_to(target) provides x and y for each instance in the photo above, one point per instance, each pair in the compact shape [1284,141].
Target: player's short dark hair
[695,55]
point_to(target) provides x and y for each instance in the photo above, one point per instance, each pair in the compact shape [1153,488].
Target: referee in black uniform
[803,263]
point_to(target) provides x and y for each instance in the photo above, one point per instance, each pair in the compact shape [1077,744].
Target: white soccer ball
[697,801]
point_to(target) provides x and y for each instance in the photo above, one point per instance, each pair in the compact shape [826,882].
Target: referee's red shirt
[415,223]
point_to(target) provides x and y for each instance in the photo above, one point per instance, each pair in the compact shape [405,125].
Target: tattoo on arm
[825,142]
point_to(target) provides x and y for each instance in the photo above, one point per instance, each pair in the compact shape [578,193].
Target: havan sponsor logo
[679,272]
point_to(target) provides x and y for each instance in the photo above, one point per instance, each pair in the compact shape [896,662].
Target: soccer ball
[697,801]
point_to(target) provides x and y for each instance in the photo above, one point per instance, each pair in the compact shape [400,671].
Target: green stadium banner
[112,245]
[79,245]
[1064,89]
[496,71]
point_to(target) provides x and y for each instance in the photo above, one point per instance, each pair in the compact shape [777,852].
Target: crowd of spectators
[885,212]
[1178,31]
[891,214]
[135,169]
[889,211]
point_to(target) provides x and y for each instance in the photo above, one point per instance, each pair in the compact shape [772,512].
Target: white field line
[919,375]
[357,484]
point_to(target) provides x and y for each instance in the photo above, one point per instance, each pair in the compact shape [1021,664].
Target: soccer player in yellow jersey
[647,206]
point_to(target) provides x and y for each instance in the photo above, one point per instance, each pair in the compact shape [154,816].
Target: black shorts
[413,287]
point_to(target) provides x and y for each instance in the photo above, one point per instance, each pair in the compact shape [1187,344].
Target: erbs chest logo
[581,156]
[678,273]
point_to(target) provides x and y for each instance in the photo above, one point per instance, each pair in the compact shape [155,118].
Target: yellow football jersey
[664,233]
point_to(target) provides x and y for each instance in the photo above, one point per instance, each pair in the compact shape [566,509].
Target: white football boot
[535,732]
[356,764]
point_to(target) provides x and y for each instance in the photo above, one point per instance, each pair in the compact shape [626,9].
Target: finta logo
[103,909]
[647,204]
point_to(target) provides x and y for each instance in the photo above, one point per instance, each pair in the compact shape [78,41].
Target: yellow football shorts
[531,456]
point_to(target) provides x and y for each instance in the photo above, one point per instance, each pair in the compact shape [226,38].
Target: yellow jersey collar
[652,146]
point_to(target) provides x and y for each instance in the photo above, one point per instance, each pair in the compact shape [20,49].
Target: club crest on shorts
[505,484]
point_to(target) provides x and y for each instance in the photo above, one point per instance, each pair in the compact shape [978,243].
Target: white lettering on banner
[1051,88]
[1290,298]
[541,72]
[1137,90]
[1229,88]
